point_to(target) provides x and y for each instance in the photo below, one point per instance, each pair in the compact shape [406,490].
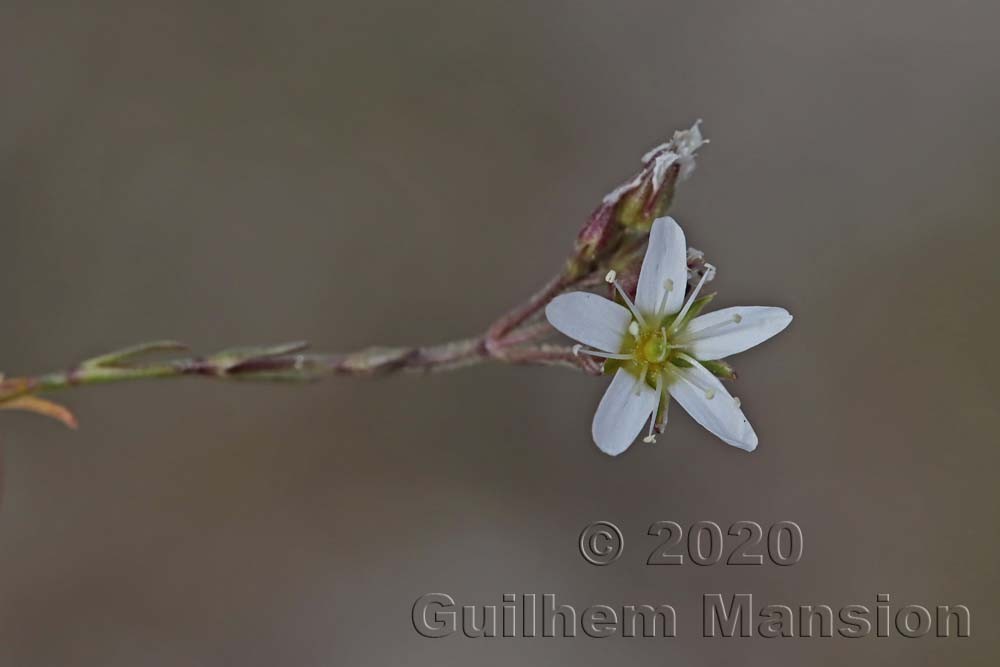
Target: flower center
[654,349]
[647,352]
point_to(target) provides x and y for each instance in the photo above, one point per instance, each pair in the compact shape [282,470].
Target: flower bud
[600,233]
[648,196]
[635,204]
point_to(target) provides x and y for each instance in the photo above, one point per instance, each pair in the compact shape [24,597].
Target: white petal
[590,319]
[660,166]
[720,414]
[665,263]
[656,150]
[688,165]
[623,411]
[731,330]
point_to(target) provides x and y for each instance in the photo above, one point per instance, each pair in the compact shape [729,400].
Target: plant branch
[292,363]
[614,237]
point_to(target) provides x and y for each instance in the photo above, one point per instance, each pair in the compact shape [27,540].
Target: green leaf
[237,355]
[119,357]
[42,406]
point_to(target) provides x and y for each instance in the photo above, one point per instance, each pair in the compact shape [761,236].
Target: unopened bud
[648,196]
[634,205]
[640,207]
[601,233]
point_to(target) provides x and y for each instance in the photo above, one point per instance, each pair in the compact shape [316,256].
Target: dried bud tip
[648,195]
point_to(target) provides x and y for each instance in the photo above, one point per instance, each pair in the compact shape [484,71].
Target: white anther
[633,329]
[611,276]
[736,400]
[649,439]
[710,394]
[576,349]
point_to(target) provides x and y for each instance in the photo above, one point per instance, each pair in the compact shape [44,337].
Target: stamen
[633,328]
[610,276]
[736,400]
[579,349]
[694,295]
[708,331]
[628,302]
[651,437]
[695,380]
[688,358]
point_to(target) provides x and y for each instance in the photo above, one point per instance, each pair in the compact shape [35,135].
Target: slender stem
[517,315]
[528,332]
[302,366]
[552,355]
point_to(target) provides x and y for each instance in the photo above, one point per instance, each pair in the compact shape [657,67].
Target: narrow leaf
[41,406]
[127,354]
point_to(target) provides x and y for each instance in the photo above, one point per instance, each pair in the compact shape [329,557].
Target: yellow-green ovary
[650,350]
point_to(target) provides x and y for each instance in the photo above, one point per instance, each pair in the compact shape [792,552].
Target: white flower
[660,347]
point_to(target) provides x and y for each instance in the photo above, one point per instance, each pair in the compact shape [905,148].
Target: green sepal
[696,307]
[662,412]
[632,209]
[720,369]
[611,366]
[639,207]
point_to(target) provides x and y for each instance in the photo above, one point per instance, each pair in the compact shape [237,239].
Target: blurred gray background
[235,173]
